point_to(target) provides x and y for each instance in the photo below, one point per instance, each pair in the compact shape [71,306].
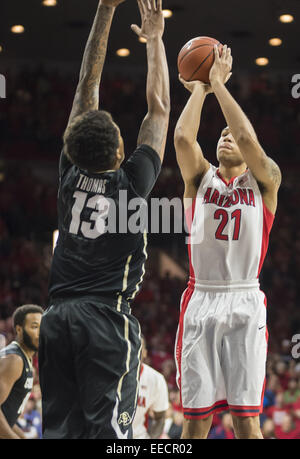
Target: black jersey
[15,403]
[97,252]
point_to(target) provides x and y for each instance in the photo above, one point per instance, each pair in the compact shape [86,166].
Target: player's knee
[247,427]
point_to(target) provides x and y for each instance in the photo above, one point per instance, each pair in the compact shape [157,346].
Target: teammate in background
[154,397]
[221,344]
[16,372]
[89,358]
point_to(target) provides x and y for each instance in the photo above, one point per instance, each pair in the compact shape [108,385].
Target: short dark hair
[20,313]
[92,141]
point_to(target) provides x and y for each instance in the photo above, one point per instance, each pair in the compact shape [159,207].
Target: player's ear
[19,330]
[119,154]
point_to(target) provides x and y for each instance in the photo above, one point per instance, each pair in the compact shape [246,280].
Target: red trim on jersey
[244,407]
[264,385]
[207,408]
[146,422]
[224,180]
[142,369]
[243,411]
[268,220]
[187,295]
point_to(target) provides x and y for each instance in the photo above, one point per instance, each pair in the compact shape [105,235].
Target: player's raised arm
[87,92]
[154,128]
[188,151]
[264,169]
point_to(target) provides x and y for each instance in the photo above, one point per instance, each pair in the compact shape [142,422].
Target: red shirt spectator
[288,429]
[278,411]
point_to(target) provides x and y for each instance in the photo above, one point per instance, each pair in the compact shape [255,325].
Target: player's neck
[28,352]
[229,172]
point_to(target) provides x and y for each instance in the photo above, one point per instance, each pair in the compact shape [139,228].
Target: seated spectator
[223,431]
[281,370]
[288,429]
[295,411]
[268,429]
[30,421]
[278,411]
[292,394]
[33,417]
[173,424]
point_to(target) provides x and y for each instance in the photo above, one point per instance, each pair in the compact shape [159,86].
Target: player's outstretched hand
[221,69]
[153,22]
[113,3]
[192,85]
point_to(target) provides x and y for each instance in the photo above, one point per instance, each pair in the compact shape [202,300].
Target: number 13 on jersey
[88,229]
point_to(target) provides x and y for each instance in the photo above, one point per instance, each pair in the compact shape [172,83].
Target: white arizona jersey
[221,342]
[230,227]
[153,394]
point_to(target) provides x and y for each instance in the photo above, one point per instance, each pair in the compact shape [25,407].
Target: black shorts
[89,363]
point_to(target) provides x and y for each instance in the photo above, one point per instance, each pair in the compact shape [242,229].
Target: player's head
[228,152]
[93,142]
[27,321]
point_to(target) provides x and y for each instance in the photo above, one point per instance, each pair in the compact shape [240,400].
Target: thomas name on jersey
[239,196]
[91,185]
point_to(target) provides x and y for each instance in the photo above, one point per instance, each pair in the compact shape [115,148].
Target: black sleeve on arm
[142,169]
[64,164]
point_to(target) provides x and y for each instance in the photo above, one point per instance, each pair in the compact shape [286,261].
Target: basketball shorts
[89,364]
[221,351]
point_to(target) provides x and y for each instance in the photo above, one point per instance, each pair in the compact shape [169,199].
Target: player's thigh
[198,352]
[107,359]
[55,351]
[244,354]
[62,414]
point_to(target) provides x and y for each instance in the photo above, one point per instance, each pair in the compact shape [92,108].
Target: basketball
[196,58]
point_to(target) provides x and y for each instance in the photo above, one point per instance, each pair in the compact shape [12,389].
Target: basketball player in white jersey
[154,396]
[221,343]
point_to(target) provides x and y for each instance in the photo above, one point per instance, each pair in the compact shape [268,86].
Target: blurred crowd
[32,120]
[35,112]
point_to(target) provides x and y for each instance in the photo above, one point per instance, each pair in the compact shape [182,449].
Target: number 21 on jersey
[225,216]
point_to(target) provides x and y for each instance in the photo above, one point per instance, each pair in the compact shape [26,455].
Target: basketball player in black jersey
[16,376]
[89,356]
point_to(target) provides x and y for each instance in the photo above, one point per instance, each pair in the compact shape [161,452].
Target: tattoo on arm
[273,170]
[153,133]
[87,93]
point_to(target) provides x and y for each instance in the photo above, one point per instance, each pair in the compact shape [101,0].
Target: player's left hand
[153,22]
[192,85]
[113,3]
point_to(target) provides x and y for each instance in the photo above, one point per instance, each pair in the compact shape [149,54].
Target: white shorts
[221,351]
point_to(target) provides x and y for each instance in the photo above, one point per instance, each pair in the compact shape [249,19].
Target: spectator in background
[153,401]
[292,394]
[281,370]
[295,411]
[268,430]
[224,431]
[287,430]
[30,421]
[173,424]
[278,411]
